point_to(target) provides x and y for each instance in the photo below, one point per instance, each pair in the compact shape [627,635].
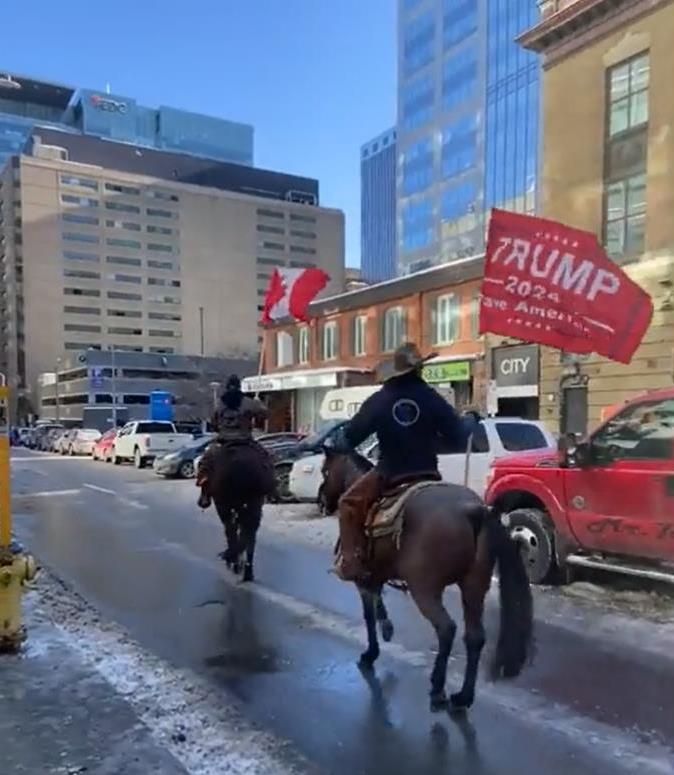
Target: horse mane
[360,462]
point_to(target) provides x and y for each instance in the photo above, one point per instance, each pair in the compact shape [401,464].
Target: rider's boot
[205,499]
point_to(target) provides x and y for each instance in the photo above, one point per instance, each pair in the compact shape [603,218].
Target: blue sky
[315,77]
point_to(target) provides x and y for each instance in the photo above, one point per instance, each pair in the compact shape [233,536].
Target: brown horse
[449,537]
[241,479]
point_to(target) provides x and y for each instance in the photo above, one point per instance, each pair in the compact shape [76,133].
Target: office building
[27,102]
[103,245]
[378,208]
[607,169]
[467,124]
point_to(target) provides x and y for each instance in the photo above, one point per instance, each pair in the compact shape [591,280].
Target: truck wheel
[529,528]
[138,459]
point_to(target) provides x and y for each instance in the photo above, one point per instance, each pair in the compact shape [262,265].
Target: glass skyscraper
[468,118]
[26,102]
[378,208]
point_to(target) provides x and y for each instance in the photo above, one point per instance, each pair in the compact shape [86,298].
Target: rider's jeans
[354,506]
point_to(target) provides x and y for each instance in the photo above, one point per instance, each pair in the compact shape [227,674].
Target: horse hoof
[248,574]
[387,631]
[438,701]
[366,662]
[461,702]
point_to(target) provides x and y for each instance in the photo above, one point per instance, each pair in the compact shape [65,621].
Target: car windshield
[89,434]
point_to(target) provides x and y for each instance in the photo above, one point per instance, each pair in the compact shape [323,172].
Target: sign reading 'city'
[548,283]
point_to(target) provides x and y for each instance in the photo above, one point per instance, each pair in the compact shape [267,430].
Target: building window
[123,260]
[160,264]
[270,261]
[303,218]
[302,249]
[417,101]
[125,313]
[304,234]
[126,225]
[81,201]
[459,146]
[272,245]
[284,349]
[89,220]
[73,180]
[82,328]
[118,242]
[81,292]
[73,255]
[81,274]
[158,247]
[303,345]
[163,332]
[459,78]
[626,158]
[124,296]
[123,331]
[359,335]
[265,213]
[162,195]
[151,229]
[330,341]
[446,328]
[154,212]
[459,200]
[625,216]
[125,278]
[81,310]
[164,316]
[75,236]
[122,207]
[418,166]
[628,94]
[459,21]
[302,264]
[417,218]
[394,328]
[119,189]
[270,229]
[419,43]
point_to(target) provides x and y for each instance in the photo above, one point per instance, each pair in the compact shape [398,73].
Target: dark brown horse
[242,478]
[449,537]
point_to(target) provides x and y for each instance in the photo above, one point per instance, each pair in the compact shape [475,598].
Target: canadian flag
[291,291]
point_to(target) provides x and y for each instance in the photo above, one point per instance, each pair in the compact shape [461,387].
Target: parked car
[143,441]
[181,464]
[81,441]
[48,434]
[104,448]
[495,438]
[61,440]
[603,502]
[24,436]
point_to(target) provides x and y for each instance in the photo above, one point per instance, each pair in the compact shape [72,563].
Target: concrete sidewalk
[59,716]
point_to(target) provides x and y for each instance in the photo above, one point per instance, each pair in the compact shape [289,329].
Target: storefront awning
[296,380]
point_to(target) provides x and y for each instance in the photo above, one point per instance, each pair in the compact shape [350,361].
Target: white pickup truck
[495,438]
[144,440]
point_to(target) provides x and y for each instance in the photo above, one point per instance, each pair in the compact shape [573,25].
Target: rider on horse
[406,414]
[234,423]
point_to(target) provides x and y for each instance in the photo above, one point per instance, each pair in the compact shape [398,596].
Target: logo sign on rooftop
[108,105]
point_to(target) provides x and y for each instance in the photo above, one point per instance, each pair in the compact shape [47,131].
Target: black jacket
[408,417]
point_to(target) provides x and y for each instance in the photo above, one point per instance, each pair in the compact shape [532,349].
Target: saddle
[385,518]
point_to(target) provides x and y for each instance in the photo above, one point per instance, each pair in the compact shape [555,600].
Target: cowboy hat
[406,359]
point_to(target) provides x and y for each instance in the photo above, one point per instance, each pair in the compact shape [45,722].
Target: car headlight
[307,469]
[171,456]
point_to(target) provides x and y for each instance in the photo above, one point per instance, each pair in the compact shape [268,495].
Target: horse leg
[385,624]
[250,524]
[228,523]
[473,591]
[429,603]
[369,657]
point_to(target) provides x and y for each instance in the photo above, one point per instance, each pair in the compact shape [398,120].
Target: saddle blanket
[386,516]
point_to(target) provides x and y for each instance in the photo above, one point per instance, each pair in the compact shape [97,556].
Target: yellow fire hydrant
[16,568]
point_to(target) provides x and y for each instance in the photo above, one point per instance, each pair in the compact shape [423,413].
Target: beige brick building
[608,156]
[98,257]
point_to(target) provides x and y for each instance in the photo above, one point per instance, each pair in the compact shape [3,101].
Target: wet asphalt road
[598,698]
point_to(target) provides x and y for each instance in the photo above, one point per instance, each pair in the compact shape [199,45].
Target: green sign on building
[450,371]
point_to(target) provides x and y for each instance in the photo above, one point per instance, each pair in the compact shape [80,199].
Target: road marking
[99,489]
[48,493]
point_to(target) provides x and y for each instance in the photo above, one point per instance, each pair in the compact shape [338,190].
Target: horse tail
[517,610]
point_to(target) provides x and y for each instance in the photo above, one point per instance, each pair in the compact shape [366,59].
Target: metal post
[114,385]
[201,328]
[56,390]
[214,388]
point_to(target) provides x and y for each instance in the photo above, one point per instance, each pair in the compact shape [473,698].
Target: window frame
[303,345]
[359,336]
[453,325]
[390,342]
[332,353]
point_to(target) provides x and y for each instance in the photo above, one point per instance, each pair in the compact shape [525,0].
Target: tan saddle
[385,518]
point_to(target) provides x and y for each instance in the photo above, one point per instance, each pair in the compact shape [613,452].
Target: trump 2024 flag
[291,291]
[551,284]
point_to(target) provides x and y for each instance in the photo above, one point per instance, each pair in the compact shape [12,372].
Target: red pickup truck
[606,501]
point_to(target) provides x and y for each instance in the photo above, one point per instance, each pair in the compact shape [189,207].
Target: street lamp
[56,389]
[215,386]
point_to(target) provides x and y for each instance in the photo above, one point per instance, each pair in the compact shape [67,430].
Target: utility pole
[114,386]
[56,389]
[201,328]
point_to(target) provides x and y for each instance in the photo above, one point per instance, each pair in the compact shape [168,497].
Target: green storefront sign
[451,371]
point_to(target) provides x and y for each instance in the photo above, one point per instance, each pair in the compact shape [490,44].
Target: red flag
[291,291]
[548,283]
